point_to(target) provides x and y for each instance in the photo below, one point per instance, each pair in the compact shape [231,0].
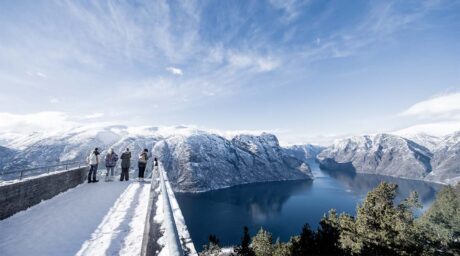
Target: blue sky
[304,70]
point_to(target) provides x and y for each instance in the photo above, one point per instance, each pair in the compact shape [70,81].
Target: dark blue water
[283,207]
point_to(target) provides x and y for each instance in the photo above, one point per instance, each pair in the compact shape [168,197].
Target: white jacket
[92,158]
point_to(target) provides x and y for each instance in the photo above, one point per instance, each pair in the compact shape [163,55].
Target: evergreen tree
[281,249]
[262,243]
[212,248]
[440,224]
[380,228]
[244,249]
[305,243]
[327,236]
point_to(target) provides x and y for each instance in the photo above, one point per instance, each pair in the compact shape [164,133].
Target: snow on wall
[161,217]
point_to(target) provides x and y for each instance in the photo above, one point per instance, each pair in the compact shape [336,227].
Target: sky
[307,71]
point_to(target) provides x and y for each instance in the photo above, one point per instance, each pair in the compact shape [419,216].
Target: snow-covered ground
[105,218]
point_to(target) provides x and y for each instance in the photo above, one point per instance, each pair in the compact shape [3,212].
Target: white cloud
[253,62]
[441,106]
[94,115]
[35,122]
[54,100]
[175,71]
[436,129]
[40,74]
[437,116]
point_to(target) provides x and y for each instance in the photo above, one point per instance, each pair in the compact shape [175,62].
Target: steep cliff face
[203,161]
[383,154]
[446,160]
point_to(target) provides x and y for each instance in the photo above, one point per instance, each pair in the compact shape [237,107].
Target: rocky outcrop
[203,161]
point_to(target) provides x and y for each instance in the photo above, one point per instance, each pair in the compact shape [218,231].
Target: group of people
[111,159]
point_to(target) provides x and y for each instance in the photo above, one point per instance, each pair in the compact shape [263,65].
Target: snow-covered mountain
[432,158]
[304,152]
[197,160]
[204,161]
[424,139]
[446,160]
[74,145]
[6,156]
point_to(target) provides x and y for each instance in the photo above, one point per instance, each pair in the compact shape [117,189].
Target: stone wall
[23,194]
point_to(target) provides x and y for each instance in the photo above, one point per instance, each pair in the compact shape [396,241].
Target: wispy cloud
[441,106]
[175,71]
[292,8]
[438,116]
[50,121]
[153,58]
[252,62]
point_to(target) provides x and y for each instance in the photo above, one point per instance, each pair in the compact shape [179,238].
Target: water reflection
[283,207]
[360,184]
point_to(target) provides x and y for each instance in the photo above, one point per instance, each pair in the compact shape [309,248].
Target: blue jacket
[111,160]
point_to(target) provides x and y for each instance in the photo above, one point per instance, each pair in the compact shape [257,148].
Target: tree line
[380,227]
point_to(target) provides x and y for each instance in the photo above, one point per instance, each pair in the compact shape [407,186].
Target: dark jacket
[126,160]
[111,160]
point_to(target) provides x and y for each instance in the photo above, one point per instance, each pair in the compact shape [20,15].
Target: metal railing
[171,234]
[23,173]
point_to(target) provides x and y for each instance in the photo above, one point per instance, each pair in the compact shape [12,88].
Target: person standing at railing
[142,163]
[93,161]
[125,164]
[110,162]
[155,163]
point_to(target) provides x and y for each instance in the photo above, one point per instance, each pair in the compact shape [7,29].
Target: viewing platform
[104,218]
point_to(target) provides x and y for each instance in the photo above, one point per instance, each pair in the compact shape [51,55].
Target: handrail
[47,168]
[172,235]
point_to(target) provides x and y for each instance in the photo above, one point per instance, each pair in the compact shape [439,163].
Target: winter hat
[110,150]
[146,150]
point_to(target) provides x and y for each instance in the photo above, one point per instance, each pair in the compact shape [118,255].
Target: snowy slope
[446,160]
[203,161]
[383,154]
[422,156]
[6,156]
[304,152]
[426,140]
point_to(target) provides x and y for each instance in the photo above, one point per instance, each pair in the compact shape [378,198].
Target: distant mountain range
[200,161]
[420,156]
